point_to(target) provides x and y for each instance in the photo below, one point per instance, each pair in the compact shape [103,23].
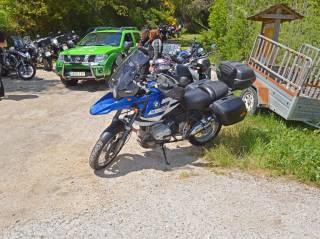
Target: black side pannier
[229,110]
[199,95]
[236,75]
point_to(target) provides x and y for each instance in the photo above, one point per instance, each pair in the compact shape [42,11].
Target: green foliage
[234,34]
[187,39]
[45,16]
[268,142]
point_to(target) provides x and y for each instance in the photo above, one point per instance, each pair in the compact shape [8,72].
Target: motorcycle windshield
[17,42]
[130,70]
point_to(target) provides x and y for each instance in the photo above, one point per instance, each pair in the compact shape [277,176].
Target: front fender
[107,104]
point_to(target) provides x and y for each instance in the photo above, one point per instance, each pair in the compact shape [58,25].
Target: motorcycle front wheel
[26,71]
[207,134]
[108,146]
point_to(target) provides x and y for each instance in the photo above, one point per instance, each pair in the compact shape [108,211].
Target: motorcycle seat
[215,89]
[201,94]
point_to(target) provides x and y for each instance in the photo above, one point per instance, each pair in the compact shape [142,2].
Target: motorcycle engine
[149,136]
[160,131]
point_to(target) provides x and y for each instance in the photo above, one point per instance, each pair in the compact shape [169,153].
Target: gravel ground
[47,189]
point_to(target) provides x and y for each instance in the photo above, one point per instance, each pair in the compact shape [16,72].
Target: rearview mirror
[119,59]
[127,45]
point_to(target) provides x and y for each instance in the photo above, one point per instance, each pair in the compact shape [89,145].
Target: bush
[234,34]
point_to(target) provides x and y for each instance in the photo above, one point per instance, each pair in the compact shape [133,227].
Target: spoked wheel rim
[26,71]
[208,132]
[110,150]
[248,100]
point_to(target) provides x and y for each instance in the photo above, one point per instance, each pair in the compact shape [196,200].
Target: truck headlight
[100,58]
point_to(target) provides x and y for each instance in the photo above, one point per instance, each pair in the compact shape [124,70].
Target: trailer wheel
[250,98]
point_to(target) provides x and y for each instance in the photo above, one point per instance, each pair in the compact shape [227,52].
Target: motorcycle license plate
[64,47]
[47,54]
[77,74]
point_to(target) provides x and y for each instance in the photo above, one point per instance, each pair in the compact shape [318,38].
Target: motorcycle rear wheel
[206,135]
[108,146]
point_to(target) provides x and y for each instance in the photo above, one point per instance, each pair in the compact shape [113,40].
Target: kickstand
[164,154]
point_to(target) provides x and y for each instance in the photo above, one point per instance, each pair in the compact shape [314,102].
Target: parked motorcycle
[194,51]
[40,51]
[20,62]
[58,44]
[167,109]
[72,39]
[17,59]
[196,60]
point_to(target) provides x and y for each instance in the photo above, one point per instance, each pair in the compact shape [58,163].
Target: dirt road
[47,188]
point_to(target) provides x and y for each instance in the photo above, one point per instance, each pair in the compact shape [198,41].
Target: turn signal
[243,113]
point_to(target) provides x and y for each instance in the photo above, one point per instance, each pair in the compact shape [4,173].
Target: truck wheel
[68,83]
[250,97]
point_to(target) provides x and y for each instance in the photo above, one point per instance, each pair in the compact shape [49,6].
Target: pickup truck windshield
[101,39]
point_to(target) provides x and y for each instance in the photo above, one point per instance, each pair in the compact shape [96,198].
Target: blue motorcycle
[166,108]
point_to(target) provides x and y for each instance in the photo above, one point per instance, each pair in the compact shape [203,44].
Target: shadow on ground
[90,86]
[127,163]
[20,97]
[41,85]
[36,85]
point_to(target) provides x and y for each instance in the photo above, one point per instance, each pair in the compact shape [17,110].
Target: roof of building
[278,11]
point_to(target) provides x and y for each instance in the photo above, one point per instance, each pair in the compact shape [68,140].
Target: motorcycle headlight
[61,58]
[28,56]
[55,41]
[100,58]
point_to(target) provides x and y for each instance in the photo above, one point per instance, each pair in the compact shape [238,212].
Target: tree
[234,34]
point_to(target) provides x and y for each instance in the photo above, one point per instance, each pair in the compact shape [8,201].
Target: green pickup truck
[94,57]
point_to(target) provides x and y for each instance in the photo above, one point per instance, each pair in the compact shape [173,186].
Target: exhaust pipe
[198,127]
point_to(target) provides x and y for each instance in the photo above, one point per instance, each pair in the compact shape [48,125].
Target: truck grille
[78,59]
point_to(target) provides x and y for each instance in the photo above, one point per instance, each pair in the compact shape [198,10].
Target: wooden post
[272,18]
[277,26]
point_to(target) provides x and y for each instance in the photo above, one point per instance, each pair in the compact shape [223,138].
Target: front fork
[128,123]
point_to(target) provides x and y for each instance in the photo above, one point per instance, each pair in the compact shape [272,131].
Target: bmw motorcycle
[198,63]
[19,61]
[40,52]
[58,44]
[72,39]
[163,109]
